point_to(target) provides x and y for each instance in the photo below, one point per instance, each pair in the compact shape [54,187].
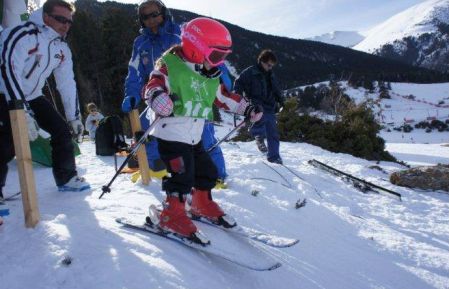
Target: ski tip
[286,245]
[294,242]
[275,266]
[119,220]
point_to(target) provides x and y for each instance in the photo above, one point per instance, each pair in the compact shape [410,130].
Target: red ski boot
[203,206]
[174,217]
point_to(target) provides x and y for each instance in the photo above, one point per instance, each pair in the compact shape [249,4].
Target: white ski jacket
[30,53]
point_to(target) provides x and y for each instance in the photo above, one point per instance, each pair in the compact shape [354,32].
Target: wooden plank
[141,153]
[25,166]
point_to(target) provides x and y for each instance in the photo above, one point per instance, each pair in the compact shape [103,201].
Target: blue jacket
[224,77]
[147,48]
[259,87]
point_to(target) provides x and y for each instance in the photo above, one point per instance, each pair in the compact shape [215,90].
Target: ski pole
[226,136]
[106,188]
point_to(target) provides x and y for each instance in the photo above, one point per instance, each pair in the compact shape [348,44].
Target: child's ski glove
[161,103]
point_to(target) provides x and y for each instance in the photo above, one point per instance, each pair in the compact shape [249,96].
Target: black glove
[253,112]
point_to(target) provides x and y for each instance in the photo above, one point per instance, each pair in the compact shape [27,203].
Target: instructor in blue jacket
[158,33]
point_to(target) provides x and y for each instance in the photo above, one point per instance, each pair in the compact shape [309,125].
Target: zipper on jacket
[35,64]
[46,66]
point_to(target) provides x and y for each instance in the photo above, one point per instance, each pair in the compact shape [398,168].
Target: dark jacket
[259,87]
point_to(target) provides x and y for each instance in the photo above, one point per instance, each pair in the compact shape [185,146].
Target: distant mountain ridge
[341,38]
[300,61]
[418,36]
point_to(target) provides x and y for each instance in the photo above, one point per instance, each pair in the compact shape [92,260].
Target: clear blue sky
[295,18]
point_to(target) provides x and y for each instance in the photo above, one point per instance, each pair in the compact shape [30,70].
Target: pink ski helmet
[206,39]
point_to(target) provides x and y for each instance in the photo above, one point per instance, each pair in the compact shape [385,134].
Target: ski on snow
[10,198]
[357,182]
[253,234]
[268,239]
[211,249]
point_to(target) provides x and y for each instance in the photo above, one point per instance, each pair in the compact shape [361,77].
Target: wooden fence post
[24,163]
[141,153]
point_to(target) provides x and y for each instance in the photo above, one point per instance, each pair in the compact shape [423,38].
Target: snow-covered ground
[347,239]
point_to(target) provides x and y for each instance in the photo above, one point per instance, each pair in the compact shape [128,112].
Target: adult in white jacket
[30,53]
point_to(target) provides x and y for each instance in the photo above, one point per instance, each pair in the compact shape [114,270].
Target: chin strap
[214,72]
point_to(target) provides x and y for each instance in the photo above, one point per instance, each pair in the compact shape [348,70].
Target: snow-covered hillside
[409,104]
[348,239]
[341,38]
[419,19]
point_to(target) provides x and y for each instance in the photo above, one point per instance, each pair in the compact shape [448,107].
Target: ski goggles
[216,55]
[61,19]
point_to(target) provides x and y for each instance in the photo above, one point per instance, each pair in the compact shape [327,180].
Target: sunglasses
[61,19]
[269,65]
[155,14]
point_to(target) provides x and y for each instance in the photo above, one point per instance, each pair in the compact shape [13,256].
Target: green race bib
[195,94]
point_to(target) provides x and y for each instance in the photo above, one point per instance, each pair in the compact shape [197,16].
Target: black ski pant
[190,166]
[50,120]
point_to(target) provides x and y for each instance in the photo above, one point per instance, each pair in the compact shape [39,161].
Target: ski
[253,234]
[268,239]
[360,184]
[10,198]
[210,249]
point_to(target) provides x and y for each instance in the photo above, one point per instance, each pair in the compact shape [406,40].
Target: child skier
[92,120]
[181,90]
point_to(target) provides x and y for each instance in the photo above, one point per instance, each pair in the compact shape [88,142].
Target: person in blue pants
[260,86]
[209,139]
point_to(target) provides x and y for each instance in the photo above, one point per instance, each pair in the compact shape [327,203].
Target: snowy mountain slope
[409,104]
[342,38]
[416,20]
[348,239]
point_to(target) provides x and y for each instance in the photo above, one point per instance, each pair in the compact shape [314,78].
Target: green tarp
[41,151]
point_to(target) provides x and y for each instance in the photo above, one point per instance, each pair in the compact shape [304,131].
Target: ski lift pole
[227,136]
[142,139]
